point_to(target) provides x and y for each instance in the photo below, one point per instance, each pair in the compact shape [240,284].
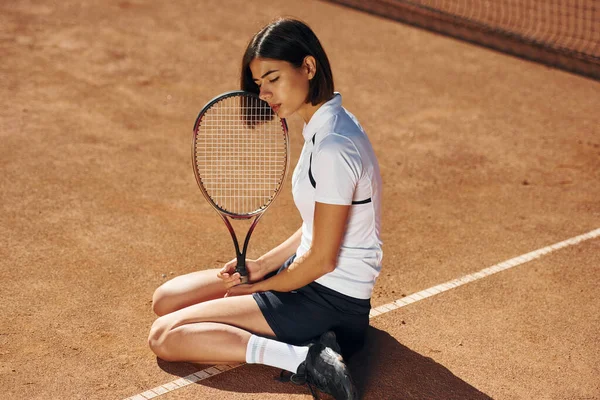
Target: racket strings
[241,154]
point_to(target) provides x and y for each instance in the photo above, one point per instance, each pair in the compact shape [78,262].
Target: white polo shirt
[339,158]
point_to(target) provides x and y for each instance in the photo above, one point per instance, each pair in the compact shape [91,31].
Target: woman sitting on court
[308,299]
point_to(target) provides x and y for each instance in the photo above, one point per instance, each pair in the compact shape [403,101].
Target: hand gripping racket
[240,158]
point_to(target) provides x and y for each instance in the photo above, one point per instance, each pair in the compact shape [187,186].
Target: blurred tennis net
[561,33]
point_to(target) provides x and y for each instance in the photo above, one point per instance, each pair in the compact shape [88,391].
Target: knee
[158,339]
[160,300]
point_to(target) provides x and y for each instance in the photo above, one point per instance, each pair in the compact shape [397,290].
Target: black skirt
[301,316]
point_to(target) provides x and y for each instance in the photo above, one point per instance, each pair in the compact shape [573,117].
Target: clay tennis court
[489,162]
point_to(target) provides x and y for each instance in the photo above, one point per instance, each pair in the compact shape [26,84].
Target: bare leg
[212,331]
[204,342]
[186,290]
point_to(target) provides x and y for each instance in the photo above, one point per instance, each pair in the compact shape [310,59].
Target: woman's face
[282,85]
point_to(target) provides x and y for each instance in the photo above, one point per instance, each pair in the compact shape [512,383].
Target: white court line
[423,294]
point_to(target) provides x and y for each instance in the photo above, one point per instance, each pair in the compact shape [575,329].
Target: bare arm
[328,232]
[273,259]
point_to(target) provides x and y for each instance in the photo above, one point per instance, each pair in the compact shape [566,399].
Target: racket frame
[224,214]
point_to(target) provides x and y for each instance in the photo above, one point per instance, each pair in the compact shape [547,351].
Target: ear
[310,66]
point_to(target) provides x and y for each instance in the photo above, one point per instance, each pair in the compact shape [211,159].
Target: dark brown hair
[291,40]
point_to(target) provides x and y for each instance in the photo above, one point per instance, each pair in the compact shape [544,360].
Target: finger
[226,270]
[231,282]
[223,275]
[231,278]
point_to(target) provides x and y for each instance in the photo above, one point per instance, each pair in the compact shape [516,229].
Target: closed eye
[265,75]
[270,80]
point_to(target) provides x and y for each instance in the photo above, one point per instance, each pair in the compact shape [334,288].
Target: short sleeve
[336,167]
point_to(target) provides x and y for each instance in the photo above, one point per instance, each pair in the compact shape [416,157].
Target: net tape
[569,29]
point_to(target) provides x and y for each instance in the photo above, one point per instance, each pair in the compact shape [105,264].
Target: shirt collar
[322,115]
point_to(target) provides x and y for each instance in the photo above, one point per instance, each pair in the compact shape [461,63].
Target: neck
[308,110]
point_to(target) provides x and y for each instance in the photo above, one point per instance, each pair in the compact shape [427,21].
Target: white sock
[275,354]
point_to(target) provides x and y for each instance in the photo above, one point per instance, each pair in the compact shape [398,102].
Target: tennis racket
[240,158]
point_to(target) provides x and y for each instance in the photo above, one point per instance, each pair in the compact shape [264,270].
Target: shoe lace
[297,379]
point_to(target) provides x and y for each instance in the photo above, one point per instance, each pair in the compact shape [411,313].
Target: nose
[264,94]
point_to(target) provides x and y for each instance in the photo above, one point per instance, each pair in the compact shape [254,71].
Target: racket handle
[241,269]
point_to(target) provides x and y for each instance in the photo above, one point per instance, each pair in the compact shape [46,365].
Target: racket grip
[241,269]
[243,279]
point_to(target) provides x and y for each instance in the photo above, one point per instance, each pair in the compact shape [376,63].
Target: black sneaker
[328,339]
[325,368]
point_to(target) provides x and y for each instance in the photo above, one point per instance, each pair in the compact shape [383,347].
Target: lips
[275,107]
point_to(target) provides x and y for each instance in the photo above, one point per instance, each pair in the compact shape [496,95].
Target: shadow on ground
[383,369]
[244,379]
